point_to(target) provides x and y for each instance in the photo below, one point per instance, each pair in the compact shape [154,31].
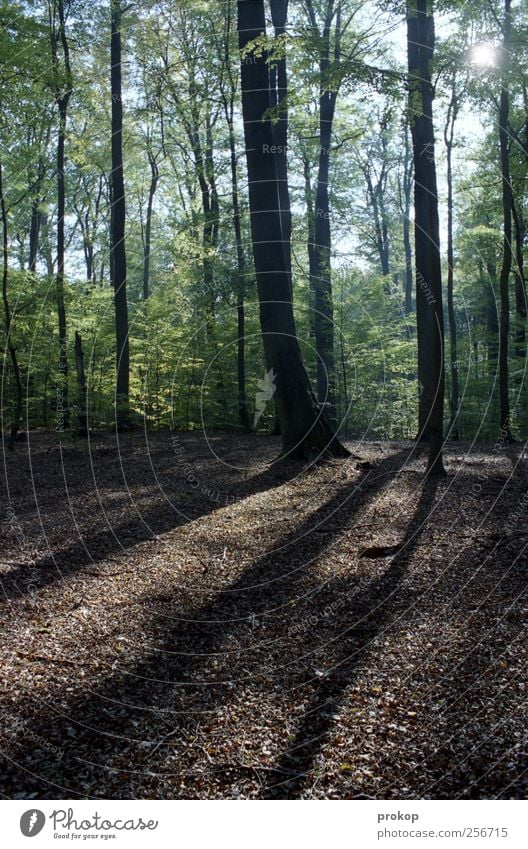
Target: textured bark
[429,314]
[304,429]
[118,265]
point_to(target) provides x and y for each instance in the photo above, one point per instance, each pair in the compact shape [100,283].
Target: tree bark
[62,94]
[305,431]
[449,129]
[405,193]
[520,285]
[504,280]
[82,417]
[278,101]
[429,314]
[118,217]
[321,251]
[17,412]
[154,179]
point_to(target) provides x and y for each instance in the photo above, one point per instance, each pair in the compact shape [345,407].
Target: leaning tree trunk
[304,429]
[17,412]
[118,217]
[429,314]
[504,281]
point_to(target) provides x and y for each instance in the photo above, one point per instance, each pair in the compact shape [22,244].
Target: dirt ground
[182,620]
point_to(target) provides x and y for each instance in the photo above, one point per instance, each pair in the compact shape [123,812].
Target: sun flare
[484,55]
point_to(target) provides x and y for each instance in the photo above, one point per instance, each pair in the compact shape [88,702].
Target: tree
[118,265]
[63,90]
[449,131]
[304,429]
[507,203]
[429,314]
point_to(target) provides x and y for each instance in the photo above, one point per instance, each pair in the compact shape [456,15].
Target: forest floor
[182,620]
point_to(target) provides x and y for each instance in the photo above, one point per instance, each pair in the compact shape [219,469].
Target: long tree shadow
[370,613]
[481,697]
[104,720]
[166,514]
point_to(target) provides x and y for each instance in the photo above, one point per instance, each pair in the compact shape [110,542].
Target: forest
[263,398]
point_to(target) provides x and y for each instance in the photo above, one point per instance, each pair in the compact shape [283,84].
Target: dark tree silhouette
[305,431]
[118,265]
[429,314]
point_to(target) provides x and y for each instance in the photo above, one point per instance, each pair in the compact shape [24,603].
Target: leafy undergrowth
[182,620]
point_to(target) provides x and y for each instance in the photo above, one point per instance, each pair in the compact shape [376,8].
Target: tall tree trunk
[154,179]
[61,307]
[62,94]
[82,416]
[17,412]
[429,314]
[449,130]
[241,271]
[118,218]
[375,194]
[320,254]
[504,281]
[278,100]
[34,230]
[520,284]
[228,99]
[492,320]
[407,181]
[304,429]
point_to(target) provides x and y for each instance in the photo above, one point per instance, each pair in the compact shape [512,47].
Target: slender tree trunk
[429,314]
[504,281]
[279,93]
[492,320]
[322,283]
[154,179]
[63,420]
[62,93]
[449,137]
[520,285]
[375,194]
[241,272]
[407,249]
[118,218]
[82,417]
[304,429]
[321,251]
[17,412]
[34,230]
